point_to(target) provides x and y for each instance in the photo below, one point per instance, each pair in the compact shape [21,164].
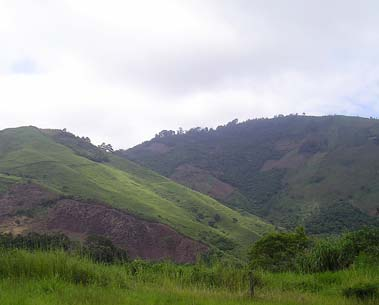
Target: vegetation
[318,172]
[285,268]
[279,251]
[296,252]
[56,277]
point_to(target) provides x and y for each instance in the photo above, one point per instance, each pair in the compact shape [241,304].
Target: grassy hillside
[321,172]
[67,165]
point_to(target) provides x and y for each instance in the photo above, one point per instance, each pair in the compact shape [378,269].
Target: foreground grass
[58,278]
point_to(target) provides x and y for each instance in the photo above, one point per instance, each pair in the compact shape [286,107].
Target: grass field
[29,154]
[59,278]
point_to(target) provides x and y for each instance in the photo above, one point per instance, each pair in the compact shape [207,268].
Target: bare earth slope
[31,208]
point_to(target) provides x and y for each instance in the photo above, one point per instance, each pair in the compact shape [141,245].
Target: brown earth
[202,181]
[286,145]
[25,208]
[158,148]
[289,161]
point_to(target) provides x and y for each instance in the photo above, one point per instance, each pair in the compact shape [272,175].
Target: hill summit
[54,181]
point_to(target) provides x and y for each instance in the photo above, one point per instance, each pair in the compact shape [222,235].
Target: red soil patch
[143,239]
[158,148]
[202,181]
[147,240]
[286,145]
[292,161]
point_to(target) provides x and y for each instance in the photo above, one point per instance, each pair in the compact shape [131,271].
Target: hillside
[320,172]
[52,180]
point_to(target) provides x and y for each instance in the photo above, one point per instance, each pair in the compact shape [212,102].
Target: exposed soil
[291,161]
[29,207]
[286,145]
[23,197]
[158,148]
[202,181]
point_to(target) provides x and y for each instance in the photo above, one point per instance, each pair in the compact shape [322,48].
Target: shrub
[364,241]
[278,252]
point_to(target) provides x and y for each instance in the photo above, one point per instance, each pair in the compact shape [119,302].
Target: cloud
[120,71]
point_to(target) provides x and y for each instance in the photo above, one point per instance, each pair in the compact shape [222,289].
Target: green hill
[70,165]
[321,172]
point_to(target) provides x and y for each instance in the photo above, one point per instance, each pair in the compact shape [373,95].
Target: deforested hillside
[51,180]
[320,172]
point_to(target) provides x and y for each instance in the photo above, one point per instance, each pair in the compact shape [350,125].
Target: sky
[121,71]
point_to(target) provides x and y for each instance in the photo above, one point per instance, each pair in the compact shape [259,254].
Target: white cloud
[119,71]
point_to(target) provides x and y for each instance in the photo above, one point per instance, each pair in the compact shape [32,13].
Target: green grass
[32,155]
[59,278]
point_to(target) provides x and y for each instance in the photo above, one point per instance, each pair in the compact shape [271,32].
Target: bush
[362,291]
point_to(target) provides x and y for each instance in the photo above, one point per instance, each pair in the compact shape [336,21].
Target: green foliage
[338,217]
[278,252]
[365,241]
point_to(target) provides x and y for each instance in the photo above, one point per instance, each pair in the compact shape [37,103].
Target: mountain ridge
[290,170]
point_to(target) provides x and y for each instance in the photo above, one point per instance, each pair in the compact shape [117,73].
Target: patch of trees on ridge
[82,146]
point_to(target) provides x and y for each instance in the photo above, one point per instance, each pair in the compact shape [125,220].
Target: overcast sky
[120,71]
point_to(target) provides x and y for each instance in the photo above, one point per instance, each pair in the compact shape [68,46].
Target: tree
[106,147]
[86,139]
[165,133]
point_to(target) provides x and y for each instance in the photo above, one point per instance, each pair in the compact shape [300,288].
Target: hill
[51,180]
[320,172]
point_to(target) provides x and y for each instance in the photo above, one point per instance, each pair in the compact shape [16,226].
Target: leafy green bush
[278,252]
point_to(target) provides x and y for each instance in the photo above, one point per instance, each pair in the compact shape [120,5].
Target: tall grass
[56,277]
